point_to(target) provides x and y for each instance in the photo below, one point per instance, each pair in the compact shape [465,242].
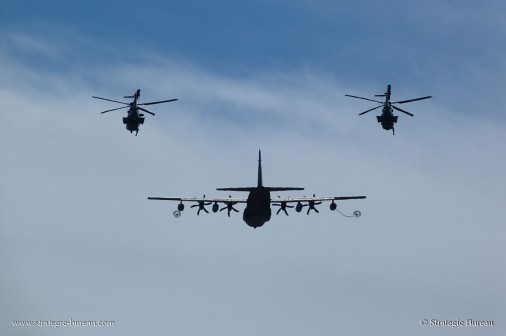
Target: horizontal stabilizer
[237,189]
[282,188]
[248,189]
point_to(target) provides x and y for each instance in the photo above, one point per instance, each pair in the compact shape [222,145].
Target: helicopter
[387,117]
[134,117]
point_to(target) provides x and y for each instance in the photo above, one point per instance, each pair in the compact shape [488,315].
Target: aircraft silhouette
[134,117]
[387,117]
[258,210]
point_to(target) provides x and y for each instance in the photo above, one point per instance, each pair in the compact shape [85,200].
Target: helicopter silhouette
[134,117]
[387,117]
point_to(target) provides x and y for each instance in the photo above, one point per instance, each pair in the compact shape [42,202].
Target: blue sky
[429,45]
[78,239]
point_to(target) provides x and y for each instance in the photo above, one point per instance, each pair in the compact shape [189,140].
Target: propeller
[137,94]
[114,101]
[140,108]
[114,109]
[229,206]
[370,110]
[159,102]
[201,205]
[411,100]
[311,205]
[282,206]
[401,110]
[364,99]
[390,103]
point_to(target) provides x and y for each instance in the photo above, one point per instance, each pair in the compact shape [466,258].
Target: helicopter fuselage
[133,119]
[387,118]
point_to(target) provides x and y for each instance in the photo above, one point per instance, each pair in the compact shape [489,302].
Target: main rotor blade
[364,99]
[401,110]
[140,108]
[159,102]
[118,108]
[114,101]
[370,110]
[411,100]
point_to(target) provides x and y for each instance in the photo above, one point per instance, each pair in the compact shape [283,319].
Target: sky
[79,240]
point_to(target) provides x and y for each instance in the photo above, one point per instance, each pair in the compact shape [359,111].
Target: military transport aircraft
[258,210]
[387,117]
[134,117]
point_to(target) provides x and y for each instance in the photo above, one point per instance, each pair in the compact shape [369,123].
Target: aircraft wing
[314,199]
[200,199]
[282,202]
[202,202]
[311,202]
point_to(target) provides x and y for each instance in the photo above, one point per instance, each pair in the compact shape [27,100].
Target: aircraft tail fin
[260,182]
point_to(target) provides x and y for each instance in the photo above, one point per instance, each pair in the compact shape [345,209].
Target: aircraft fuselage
[258,203]
[258,207]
